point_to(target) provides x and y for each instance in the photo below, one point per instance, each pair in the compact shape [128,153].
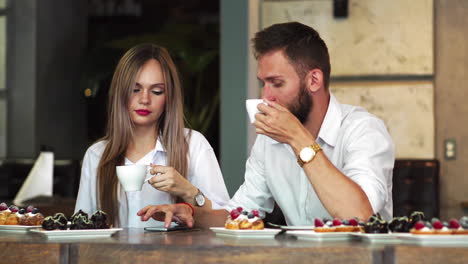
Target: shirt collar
[331,123]
[159,146]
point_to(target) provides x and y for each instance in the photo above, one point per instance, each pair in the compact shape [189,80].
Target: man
[314,156]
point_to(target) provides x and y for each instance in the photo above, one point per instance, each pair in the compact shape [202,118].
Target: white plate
[246,233]
[436,239]
[73,234]
[321,236]
[310,228]
[379,238]
[16,228]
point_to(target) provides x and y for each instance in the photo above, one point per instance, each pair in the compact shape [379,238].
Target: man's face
[282,84]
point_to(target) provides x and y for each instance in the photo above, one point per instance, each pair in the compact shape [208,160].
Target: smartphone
[163,229]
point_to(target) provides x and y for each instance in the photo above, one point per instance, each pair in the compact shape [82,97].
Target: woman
[146,126]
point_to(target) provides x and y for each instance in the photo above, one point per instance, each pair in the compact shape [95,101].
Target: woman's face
[148,97]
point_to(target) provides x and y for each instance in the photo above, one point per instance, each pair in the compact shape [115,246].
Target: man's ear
[314,80]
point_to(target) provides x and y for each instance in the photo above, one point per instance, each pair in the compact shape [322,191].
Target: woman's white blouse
[203,172]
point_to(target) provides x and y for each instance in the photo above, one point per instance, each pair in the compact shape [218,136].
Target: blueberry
[345,222]
[445,223]
[245,212]
[34,211]
[22,211]
[250,216]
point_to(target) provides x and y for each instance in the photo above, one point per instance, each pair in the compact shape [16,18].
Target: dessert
[13,217]
[241,219]
[399,225]
[337,225]
[99,220]
[376,225]
[49,223]
[422,228]
[19,216]
[79,220]
[459,227]
[4,212]
[77,214]
[61,221]
[415,217]
[32,217]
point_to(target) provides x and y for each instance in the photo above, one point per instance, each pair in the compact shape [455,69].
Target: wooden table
[203,246]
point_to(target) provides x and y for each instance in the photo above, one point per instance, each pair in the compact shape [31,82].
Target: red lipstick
[143,112]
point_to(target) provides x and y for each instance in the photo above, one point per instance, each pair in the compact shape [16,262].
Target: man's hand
[169,180]
[179,213]
[277,122]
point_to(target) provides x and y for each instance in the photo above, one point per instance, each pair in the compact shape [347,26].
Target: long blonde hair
[120,127]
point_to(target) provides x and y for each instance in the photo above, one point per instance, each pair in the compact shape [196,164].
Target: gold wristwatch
[307,154]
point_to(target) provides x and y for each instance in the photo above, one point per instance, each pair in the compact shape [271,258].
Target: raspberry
[336,222]
[419,225]
[3,206]
[240,209]
[234,214]
[318,222]
[454,224]
[353,222]
[256,213]
[13,209]
[29,209]
[437,225]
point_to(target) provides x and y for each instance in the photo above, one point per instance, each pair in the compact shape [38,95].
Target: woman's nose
[144,97]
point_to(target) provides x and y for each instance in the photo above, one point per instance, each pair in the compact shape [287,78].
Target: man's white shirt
[355,141]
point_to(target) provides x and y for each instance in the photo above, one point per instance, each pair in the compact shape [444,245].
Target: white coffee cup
[251,105]
[132,177]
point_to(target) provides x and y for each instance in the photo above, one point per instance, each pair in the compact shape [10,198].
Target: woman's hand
[169,180]
[179,213]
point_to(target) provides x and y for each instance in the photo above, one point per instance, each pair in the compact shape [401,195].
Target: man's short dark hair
[301,44]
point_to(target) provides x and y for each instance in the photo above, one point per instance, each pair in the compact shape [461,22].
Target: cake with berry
[4,213]
[242,219]
[422,228]
[337,225]
[13,217]
[459,227]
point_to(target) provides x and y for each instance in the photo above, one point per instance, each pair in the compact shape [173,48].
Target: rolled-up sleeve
[369,161]
[254,193]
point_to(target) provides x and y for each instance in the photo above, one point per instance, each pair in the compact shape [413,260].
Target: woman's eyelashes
[155,92]
[158,92]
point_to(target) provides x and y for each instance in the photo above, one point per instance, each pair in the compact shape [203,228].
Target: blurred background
[404,61]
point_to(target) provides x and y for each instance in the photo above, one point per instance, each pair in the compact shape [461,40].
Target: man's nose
[267,93]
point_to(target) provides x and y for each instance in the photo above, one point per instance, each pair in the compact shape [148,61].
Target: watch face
[307,154]
[200,199]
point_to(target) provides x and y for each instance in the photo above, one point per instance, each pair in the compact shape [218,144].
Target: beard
[302,104]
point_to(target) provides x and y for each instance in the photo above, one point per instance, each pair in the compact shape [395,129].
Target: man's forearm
[205,217]
[342,197]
